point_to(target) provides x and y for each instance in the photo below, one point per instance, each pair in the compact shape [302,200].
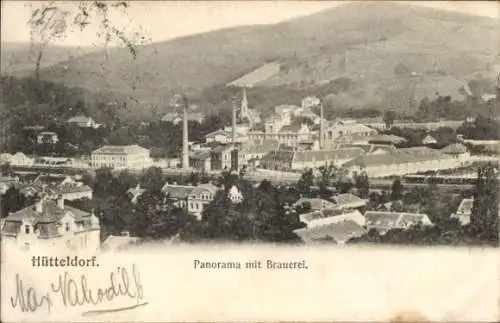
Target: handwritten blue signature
[74,292]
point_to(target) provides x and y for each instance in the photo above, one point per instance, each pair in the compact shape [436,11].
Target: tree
[11,201]
[431,203]
[152,179]
[389,117]
[6,170]
[362,184]
[105,184]
[305,183]
[484,218]
[396,190]
[328,175]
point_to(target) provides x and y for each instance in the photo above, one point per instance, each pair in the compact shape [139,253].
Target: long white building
[402,162]
[121,157]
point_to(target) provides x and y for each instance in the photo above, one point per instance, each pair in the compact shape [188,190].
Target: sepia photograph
[349,148]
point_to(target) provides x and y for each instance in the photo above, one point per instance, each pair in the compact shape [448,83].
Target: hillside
[16,58]
[393,55]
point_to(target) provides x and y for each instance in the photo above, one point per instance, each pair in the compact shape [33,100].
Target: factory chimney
[244,105]
[321,127]
[185,148]
[233,120]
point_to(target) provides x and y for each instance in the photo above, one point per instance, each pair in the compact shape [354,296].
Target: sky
[164,20]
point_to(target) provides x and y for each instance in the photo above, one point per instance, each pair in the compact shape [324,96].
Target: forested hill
[392,54]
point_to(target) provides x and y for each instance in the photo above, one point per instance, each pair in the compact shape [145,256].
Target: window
[27,229]
[67,226]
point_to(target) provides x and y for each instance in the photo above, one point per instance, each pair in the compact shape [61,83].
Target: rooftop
[346,199]
[316,203]
[120,150]
[260,146]
[389,220]
[78,119]
[456,148]
[399,156]
[184,191]
[338,231]
[51,213]
[387,138]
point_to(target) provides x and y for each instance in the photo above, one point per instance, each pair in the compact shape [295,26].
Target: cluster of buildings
[343,217]
[51,186]
[293,138]
[43,136]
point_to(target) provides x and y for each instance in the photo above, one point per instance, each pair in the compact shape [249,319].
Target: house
[464,211]
[224,137]
[310,102]
[309,114]
[176,117]
[121,157]
[195,198]
[299,160]
[429,140]
[317,204]
[385,221]
[134,193]
[61,162]
[20,159]
[117,243]
[81,121]
[458,151]
[286,109]
[402,162]
[172,117]
[349,201]
[281,130]
[256,149]
[346,132]
[74,191]
[226,157]
[219,136]
[51,224]
[235,195]
[47,137]
[387,140]
[201,161]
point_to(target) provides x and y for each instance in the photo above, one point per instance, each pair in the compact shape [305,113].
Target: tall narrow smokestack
[244,104]
[321,127]
[185,148]
[233,121]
